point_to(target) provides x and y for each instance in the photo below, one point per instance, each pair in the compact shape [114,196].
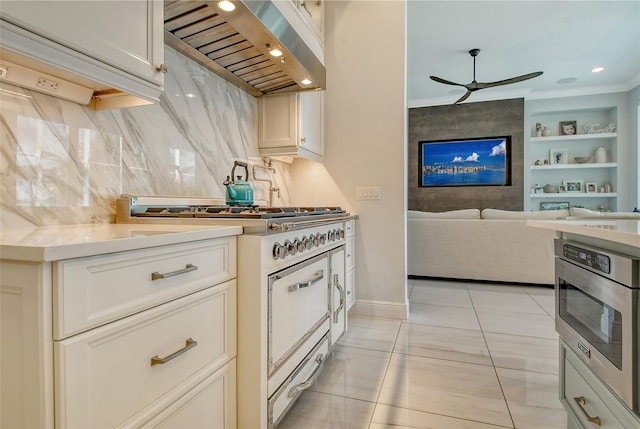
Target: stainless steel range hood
[234,45]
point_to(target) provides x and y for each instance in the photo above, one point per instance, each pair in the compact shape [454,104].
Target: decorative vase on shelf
[546,132]
[600,155]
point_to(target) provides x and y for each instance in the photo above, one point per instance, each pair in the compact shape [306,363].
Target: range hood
[235,45]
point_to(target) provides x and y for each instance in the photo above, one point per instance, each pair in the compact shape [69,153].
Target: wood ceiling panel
[188,19]
[174,9]
[210,35]
[199,26]
[218,54]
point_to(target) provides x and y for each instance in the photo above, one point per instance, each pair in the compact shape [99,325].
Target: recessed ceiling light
[189,95]
[566,80]
[305,82]
[597,69]
[226,5]
[275,52]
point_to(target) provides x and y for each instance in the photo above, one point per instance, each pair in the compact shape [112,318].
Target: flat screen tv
[484,161]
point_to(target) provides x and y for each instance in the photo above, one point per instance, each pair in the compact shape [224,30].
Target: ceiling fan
[475,86]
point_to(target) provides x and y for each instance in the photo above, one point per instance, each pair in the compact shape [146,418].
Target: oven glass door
[596,321]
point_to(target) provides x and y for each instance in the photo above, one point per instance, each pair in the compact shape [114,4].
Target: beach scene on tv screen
[465,162]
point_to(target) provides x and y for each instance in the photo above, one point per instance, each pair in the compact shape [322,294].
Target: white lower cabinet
[590,403]
[162,355]
[350,262]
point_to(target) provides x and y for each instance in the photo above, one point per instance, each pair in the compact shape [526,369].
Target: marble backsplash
[63,163]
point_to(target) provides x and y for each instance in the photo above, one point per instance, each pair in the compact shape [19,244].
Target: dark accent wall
[467,120]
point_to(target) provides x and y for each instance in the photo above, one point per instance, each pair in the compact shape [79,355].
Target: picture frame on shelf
[574,185]
[562,189]
[591,187]
[568,128]
[557,156]
[554,205]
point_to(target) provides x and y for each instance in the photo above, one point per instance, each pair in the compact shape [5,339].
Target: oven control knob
[308,244]
[316,240]
[299,245]
[341,233]
[323,238]
[332,235]
[279,251]
[290,247]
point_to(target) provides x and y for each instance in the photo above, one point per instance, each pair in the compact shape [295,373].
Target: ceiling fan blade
[464,97]
[446,82]
[482,85]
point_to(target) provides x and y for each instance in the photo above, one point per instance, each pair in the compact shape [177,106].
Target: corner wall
[459,121]
[365,145]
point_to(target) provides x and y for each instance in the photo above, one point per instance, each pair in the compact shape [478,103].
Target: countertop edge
[603,229]
[50,253]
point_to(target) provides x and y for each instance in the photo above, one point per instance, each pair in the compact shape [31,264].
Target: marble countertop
[53,243]
[619,231]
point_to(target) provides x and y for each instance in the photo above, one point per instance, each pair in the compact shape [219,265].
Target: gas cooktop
[244,212]
[197,210]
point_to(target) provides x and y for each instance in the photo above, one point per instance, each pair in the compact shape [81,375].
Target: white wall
[634,129]
[365,138]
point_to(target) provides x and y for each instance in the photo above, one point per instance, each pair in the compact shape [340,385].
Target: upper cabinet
[114,44]
[573,157]
[292,125]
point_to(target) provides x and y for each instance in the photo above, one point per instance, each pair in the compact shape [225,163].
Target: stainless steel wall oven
[597,296]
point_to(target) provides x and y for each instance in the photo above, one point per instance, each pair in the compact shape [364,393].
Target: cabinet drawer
[92,291]
[350,281]
[350,227]
[584,402]
[211,404]
[106,375]
[301,379]
[349,253]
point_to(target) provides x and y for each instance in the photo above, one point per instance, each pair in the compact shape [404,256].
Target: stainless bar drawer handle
[312,378]
[319,275]
[336,314]
[189,344]
[581,403]
[187,269]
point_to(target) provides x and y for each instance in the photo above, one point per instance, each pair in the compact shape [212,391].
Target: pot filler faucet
[268,167]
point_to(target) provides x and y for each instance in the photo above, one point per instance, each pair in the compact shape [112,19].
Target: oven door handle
[312,378]
[319,275]
[336,314]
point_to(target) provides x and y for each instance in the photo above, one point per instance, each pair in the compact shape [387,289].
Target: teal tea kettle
[239,192]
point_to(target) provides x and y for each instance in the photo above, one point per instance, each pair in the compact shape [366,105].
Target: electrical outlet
[48,84]
[4,71]
[368,193]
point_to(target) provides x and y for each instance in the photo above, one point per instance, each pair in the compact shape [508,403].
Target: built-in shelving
[540,170]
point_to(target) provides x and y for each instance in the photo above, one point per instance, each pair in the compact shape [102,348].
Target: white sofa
[492,245]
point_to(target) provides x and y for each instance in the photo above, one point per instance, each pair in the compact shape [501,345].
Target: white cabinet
[350,261]
[292,125]
[551,160]
[131,352]
[588,402]
[88,40]
[338,305]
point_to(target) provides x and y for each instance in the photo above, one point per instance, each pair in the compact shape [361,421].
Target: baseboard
[452,279]
[382,309]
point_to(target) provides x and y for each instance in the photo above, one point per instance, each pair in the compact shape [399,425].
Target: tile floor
[471,355]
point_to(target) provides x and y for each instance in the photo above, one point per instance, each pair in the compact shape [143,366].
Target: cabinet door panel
[105,376]
[211,404]
[311,133]
[125,34]
[338,296]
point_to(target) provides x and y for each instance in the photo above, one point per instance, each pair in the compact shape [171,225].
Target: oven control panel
[293,245]
[591,259]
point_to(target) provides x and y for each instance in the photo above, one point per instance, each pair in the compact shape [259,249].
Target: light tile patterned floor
[471,355]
